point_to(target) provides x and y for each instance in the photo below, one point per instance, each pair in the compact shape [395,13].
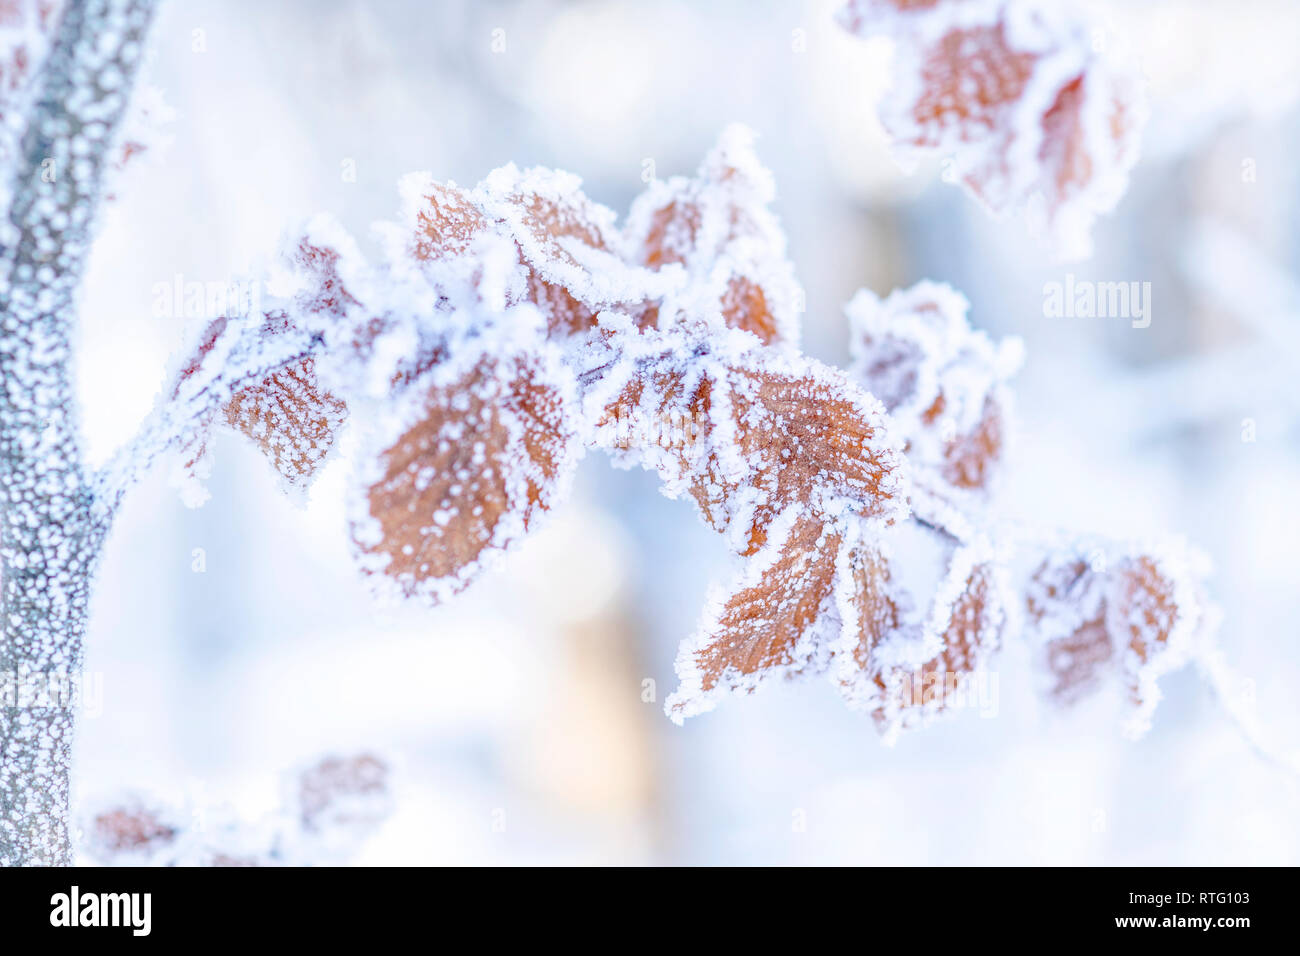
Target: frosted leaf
[717,225]
[1033,113]
[765,625]
[943,383]
[569,247]
[133,832]
[258,374]
[284,410]
[462,468]
[780,453]
[350,793]
[907,669]
[292,419]
[327,812]
[1107,610]
[872,608]
[747,431]
[571,244]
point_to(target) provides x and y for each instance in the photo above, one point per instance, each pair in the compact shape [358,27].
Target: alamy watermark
[183,298]
[673,430]
[27,689]
[1087,299]
[946,690]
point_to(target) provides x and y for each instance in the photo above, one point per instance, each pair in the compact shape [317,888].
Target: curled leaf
[717,225]
[942,382]
[906,670]
[257,373]
[1110,610]
[748,433]
[1032,112]
[568,249]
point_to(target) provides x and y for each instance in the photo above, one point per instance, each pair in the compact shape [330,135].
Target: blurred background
[234,641]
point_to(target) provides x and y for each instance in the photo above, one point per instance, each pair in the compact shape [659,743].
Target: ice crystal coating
[770,623]
[747,431]
[257,372]
[50,536]
[907,669]
[1035,107]
[514,324]
[1104,610]
[476,457]
[718,226]
[328,811]
[943,383]
[703,249]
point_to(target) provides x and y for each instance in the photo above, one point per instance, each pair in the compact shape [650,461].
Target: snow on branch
[512,326]
[49,538]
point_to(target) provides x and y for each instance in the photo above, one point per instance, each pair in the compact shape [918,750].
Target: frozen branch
[49,535]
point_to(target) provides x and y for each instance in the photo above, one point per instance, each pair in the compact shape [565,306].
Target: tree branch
[49,536]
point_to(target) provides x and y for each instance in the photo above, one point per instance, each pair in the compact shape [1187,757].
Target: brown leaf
[542,222]
[965,624]
[719,219]
[129,829]
[943,382]
[1066,603]
[874,614]
[749,437]
[971,80]
[766,626]
[344,791]
[970,460]
[1124,612]
[1030,109]
[290,417]
[263,380]
[484,457]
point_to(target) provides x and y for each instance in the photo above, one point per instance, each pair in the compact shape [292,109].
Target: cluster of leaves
[1092,608]
[1033,105]
[328,810]
[514,325]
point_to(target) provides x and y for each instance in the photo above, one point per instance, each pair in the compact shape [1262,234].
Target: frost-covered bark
[50,534]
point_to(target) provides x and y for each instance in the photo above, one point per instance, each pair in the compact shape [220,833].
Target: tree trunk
[52,528]
[41,657]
